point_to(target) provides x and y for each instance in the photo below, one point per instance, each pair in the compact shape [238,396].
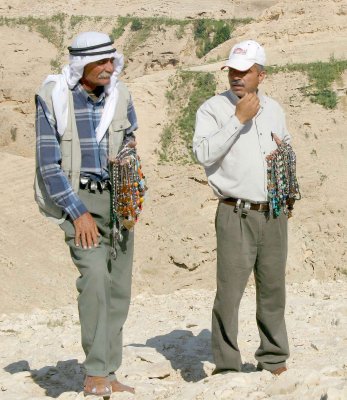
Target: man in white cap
[235,133]
[84,115]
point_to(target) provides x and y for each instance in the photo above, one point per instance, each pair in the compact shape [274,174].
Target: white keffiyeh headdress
[86,48]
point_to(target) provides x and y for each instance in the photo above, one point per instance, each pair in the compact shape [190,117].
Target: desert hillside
[173,49]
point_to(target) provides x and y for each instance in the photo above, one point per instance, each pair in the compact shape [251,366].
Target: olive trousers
[255,242]
[104,287]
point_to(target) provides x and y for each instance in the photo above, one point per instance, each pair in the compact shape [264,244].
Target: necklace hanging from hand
[128,191]
[283,187]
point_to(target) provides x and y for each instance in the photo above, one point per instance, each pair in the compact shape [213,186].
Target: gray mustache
[104,75]
[237,82]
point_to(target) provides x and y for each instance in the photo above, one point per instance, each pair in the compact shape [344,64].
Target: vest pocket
[116,136]
[120,124]
[66,153]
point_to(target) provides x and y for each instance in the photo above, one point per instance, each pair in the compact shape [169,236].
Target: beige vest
[71,150]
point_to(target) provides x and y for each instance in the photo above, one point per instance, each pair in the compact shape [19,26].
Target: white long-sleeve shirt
[232,153]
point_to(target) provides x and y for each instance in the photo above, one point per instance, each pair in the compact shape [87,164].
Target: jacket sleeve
[211,142]
[49,162]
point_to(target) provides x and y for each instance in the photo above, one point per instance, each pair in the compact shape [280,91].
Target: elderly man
[84,115]
[234,136]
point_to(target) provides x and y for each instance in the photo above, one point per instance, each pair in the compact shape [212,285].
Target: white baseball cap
[245,54]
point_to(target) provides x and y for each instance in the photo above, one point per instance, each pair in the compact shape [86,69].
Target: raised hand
[247,107]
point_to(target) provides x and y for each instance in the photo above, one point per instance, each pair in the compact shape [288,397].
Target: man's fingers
[84,240]
[251,96]
[95,240]
[95,236]
[86,231]
[252,100]
[96,231]
[247,107]
[276,139]
[242,100]
[247,97]
[77,237]
[87,238]
[90,239]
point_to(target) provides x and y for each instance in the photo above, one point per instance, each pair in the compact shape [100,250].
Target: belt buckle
[263,207]
[93,186]
[237,206]
[83,182]
[246,208]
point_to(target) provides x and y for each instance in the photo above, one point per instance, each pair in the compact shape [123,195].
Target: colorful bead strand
[128,190]
[283,187]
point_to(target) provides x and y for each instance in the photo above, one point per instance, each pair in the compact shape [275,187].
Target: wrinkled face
[97,73]
[242,82]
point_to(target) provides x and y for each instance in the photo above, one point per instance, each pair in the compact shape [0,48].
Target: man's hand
[278,142]
[247,107]
[276,139]
[86,231]
[132,143]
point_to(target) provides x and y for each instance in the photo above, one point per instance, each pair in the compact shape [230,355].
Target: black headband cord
[94,53]
[77,51]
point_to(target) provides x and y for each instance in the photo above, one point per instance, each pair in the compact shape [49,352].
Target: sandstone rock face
[178,219]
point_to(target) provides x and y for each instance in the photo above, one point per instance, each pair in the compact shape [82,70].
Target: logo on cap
[239,50]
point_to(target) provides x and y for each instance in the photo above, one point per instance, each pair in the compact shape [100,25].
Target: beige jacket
[232,153]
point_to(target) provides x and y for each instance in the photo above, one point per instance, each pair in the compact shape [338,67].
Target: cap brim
[239,65]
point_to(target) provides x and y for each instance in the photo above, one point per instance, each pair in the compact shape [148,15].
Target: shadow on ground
[66,376]
[185,351]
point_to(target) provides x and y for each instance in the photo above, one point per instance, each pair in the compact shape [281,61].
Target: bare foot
[119,387]
[97,386]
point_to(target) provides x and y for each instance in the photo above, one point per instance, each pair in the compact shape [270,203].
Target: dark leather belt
[262,207]
[92,185]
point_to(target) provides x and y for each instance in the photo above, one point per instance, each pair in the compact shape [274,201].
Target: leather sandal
[279,371]
[97,386]
[119,387]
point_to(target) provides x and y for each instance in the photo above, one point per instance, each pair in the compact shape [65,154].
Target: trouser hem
[218,371]
[112,376]
[103,374]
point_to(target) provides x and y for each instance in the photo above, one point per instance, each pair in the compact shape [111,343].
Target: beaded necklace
[128,191]
[283,187]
